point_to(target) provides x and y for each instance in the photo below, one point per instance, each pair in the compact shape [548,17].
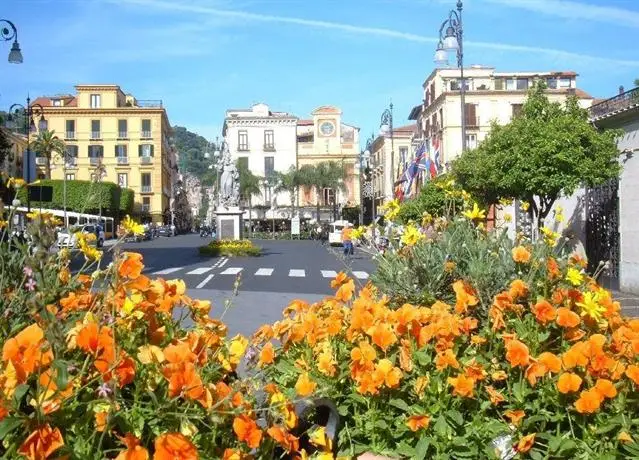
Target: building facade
[12,163]
[490,97]
[111,136]
[325,137]
[265,142]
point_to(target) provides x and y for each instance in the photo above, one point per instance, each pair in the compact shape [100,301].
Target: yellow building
[12,164]
[126,139]
[326,138]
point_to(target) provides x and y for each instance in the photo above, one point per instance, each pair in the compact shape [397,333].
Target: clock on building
[327,128]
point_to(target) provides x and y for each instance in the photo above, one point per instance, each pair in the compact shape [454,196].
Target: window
[242,140]
[552,83]
[120,151]
[95,129]
[522,83]
[96,102]
[145,180]
[328,197]
[123,180]
[471,141]
[96,151]
[70,129]
[70,176]
[403,156]
[146,204]
[123,131]
[471,115]
[564,83]
[146,128]
[57,102]
[516,109]
[267,194]
[511,84]
[71,155]
[145,150]
[242,163]
[499,84]
[269,166]
[455,85]
[269,142]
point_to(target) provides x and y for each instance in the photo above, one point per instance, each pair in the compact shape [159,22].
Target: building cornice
[105,111]
[255,121]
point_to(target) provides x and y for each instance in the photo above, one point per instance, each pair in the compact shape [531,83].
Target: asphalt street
[286,270]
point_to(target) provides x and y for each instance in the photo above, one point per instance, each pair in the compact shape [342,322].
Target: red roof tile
[304,122]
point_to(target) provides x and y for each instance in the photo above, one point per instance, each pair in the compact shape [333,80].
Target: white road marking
[223,262]
[264,272]
[232,271]
[361,275]
[297,273]
[329,273]
[204,281]
[168,271]
[200,271]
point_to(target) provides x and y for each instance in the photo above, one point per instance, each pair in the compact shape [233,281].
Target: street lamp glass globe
[367,154]
[42,124]
[207,155]
[216,154]
[441,57]
[450,41]
[15,55]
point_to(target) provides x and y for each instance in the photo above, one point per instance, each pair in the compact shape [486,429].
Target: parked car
[67,238]
[335,232]
[165,230]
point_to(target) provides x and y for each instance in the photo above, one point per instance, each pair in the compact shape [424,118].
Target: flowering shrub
[547,367]
[231,248]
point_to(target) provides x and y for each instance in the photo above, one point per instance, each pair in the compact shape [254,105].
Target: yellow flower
[90,253]
[508,218]
[130,226]
[591,306]
[506,201]
[427,219]
[574,276]
[475,213]
[3,223]
[358,232]
[525,206]
[15,183]
[411,236]
[550,237]
[148,354]
[391,208]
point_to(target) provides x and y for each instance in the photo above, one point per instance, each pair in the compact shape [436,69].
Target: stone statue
[229,181]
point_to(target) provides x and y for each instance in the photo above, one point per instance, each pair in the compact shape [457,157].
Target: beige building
[490,96]
[325,137]
[12,164]
[104,128]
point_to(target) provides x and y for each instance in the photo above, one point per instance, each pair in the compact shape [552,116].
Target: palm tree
[324,175]
[45,146]
[289,182]
[249,187]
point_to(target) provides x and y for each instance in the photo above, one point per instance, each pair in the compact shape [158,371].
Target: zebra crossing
[262,272]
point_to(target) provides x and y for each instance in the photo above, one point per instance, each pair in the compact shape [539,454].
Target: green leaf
[61,374]
[8,424]
[520,390]
[19,393]
[441,427]
[421,449]
[405,450]
[400,404]
[455,417]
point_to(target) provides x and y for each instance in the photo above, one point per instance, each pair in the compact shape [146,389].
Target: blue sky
[204,56]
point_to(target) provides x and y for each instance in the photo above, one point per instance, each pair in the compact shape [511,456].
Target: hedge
[85,196]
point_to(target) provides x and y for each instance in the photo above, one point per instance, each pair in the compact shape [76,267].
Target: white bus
[75,219]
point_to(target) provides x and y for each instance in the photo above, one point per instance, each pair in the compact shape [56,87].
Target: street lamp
[452,40]
[368,159]
[385,129]
[9,32]
[32,111]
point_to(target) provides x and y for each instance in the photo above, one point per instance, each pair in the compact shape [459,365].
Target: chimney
[621,90]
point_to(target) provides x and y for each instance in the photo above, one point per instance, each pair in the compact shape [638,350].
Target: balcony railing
[70,135]
[94,161]
[146,189]
[122,134]
[95,134]
[146,134]
[71,163]
[243,147]
[150,103]
[41,161]
[146,208]
[123,160]
[269,148]
[619,103]
[146,160]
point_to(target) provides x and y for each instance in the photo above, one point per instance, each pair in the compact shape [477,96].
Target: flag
[436,148]
[413,170]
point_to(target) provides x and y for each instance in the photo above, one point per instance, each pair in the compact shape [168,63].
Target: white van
[335,232]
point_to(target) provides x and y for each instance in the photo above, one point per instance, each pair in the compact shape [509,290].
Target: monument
[228,215]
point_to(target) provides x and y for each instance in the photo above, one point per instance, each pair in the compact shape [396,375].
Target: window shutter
[152,146]
[117,152]
[139,150]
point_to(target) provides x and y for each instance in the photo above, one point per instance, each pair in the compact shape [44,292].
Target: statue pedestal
[229,223]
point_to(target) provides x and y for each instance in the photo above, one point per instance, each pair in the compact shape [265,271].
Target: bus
[74,219]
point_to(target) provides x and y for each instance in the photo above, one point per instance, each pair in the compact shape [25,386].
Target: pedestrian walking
[347,239]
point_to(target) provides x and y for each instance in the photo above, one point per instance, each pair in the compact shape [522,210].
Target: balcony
[69,135]
[620,103]
[71,163]
[146,208]
[123,160]
[41,161]
[146,135]
[146,189]
[150,103]
[146,160]
[472,122]
[243,147]
[269,147]
[95,135]
[123,135]
[95,161]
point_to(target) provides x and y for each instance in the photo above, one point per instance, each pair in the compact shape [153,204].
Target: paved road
[287,270]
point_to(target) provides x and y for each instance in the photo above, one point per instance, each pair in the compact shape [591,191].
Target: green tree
[46,146]
[249,187]
[636,82]
[324,175]
[192,149]
[289,182]
[5,146]
[549,150]
[432,198]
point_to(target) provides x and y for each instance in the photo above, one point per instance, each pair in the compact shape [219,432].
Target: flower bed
[230,248]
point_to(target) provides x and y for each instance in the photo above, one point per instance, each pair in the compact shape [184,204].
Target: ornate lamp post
[9,32]
[368,160]
[385,129]
[452,40]
[32,112]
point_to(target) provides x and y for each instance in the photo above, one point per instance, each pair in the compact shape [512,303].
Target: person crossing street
[347,239]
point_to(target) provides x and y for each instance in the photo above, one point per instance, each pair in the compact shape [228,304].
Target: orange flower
[550,361]
[521,255]
[345,291]
[446,359]
[185,381]
[134,451]
[364,354]
[606,388]
[589,401]
[632,372]
[101,420]
[526,443]
[495,396]
[515,416]
[247,431]
[544,311]
[41,443]
[174,446]
[567,318]
[340,279]
[553,268]
[387,373]
[568,382]
[474,371]
[624,437]
[465,296]
[289,442]
[305,386]
[534,371]
[27,351]
[416,422]
[518,289]
[405,353]
[382,335]
[131,267]
[462,385]
[267,355]
[498,376]
[575,356]
[517,353]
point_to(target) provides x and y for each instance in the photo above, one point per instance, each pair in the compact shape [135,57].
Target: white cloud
[576,10]
[566,56]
